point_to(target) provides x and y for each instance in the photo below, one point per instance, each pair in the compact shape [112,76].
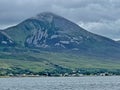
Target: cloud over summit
[99,16]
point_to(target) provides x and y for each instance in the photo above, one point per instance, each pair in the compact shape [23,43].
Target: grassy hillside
[31,62]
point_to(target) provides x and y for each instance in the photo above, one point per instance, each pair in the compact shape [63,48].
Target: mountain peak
[45,16]
[46,13]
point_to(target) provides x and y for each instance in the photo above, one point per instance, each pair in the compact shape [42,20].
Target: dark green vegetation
[52,45]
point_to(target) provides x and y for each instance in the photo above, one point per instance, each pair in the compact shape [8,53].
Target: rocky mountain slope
[52,32]
[5,40]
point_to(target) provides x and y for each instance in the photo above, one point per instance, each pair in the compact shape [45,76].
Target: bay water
[61,83]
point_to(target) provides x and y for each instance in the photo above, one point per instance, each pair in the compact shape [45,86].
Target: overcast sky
[98,16]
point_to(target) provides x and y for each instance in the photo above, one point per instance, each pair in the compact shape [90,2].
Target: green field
[44,61]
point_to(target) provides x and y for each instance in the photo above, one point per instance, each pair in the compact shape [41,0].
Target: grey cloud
[85,11]
[105,28]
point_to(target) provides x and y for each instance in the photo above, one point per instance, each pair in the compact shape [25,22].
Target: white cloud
[109,29]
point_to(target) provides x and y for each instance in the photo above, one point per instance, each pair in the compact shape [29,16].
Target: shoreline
[54,76]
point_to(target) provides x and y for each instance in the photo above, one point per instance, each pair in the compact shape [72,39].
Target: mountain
[52,32]
[5,40]
[51,43]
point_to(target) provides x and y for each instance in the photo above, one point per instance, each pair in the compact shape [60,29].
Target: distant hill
[51,43]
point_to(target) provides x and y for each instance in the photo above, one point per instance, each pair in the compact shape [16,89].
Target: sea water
[61,83]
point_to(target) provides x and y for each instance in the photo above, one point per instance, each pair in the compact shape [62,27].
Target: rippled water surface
[61,83]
